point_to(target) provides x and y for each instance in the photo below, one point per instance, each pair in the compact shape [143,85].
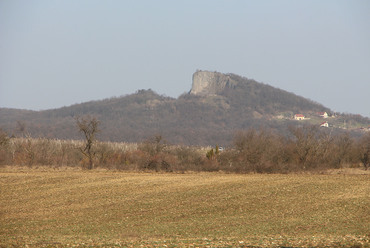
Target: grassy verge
[67,208]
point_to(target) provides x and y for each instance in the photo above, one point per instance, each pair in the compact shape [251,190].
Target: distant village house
[323,114]
[298,117]
[324,124]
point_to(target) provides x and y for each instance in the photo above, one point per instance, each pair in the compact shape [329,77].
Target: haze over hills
[214,109]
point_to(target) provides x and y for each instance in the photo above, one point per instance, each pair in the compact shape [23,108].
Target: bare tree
[308,145]
[365,150]
[88,126]
[255,147]
[4,139]
[21,128]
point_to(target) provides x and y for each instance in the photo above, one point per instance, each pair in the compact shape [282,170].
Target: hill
[216,106]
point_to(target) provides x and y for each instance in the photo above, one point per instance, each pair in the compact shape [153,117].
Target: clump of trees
[306,148]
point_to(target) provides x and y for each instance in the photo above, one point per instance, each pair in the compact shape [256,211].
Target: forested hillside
[191,119]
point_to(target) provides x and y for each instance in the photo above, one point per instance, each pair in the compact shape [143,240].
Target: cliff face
[209,83]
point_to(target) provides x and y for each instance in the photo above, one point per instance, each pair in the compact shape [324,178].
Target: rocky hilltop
[209,83]
[216,106]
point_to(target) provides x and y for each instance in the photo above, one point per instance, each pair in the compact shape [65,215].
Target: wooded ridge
[214,109]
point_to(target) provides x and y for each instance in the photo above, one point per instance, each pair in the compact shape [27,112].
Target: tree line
[252,151]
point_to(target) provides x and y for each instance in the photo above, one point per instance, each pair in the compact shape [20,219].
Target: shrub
[364,147]
[4,146]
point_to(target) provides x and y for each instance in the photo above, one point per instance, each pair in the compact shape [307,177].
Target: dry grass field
[69,207]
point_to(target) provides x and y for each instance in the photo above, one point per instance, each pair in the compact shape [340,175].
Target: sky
[56,53]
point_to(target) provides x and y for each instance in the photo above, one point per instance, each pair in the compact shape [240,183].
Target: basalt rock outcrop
[207,83]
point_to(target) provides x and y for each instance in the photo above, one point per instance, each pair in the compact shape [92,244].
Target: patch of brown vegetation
[71,207]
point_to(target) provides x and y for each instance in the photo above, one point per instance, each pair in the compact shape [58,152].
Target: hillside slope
[216,106]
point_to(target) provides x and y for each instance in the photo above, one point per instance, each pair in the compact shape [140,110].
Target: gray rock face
[208,83]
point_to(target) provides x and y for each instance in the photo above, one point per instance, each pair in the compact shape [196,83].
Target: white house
[298,117]
[324,124]
[323,115]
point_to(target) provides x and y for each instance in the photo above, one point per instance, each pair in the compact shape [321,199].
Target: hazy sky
[55,53]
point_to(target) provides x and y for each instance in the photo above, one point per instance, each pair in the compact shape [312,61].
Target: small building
[324,124]
[323,115]
[298,117]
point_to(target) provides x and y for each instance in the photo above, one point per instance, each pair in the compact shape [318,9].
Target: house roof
[299,115]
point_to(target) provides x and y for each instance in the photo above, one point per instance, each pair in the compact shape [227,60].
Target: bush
[4,146]
[364,150]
